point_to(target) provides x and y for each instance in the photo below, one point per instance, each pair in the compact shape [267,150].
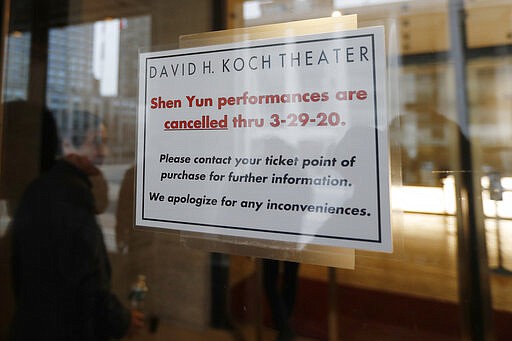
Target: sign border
[253,229]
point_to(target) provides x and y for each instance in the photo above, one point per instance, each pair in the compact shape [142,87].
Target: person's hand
[136,322]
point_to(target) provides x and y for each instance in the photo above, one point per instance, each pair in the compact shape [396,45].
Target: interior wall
[170,19]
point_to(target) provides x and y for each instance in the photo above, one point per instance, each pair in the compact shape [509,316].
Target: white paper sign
[281,139]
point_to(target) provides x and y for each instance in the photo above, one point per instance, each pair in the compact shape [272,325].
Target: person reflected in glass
[61,272]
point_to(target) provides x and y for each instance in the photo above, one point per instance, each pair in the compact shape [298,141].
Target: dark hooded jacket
[61,272]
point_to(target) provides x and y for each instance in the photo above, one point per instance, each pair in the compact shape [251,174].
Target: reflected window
[78,81]
[17,66]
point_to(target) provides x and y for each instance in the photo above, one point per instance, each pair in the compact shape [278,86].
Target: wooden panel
[296,28]
[489,26]
[424,33]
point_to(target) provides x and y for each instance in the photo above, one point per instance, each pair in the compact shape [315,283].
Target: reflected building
[73,85]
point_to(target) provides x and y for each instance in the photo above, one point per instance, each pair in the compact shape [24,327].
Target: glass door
[448,71]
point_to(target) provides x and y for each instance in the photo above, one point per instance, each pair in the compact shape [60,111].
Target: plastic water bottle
[138,293]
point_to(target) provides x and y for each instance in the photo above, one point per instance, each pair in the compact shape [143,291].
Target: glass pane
[417,292]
